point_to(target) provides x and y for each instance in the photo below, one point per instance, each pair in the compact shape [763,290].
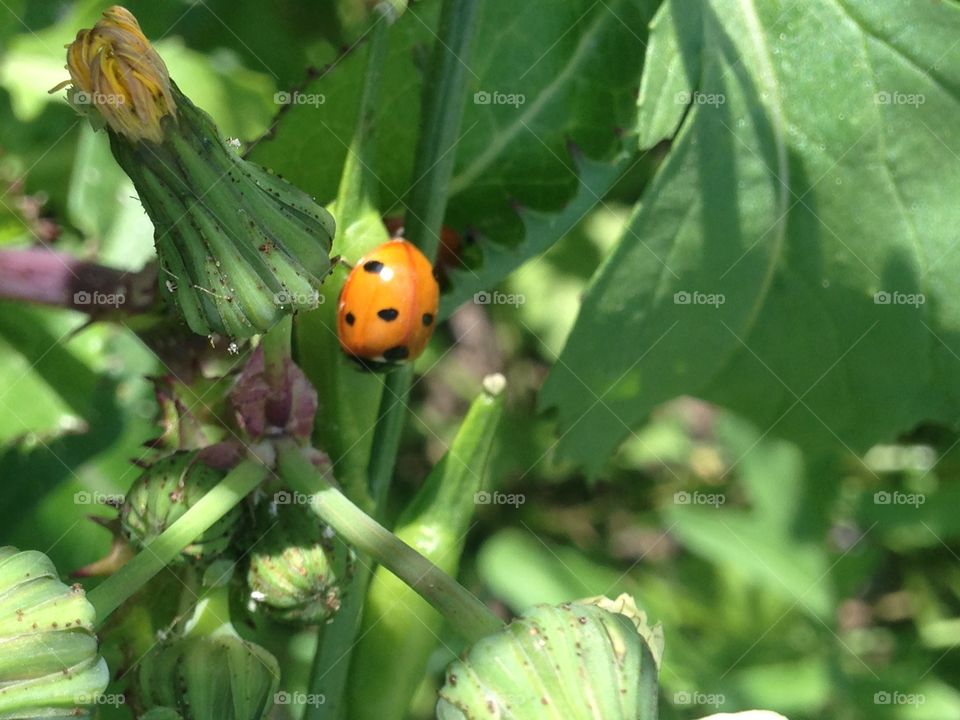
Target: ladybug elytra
[388,306]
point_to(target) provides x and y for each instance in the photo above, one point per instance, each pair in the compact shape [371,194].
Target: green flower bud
[215,677]
[239,247]
[49,662]
[164,492]
[594,658]
[210,672]
[293,568]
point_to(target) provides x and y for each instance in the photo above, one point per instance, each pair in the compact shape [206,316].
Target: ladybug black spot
[373,266]
[427,319]
[399,352]
[388,314]
[350,319]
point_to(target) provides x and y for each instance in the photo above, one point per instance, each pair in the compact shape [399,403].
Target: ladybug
[388,306]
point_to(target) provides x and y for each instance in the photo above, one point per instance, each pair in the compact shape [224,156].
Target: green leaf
[540,231]
[48,389]
[315,127]
[539,82]
[542,81]
[748,276]
[793,571]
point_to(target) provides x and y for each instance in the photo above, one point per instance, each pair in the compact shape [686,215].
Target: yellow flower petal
[114,68]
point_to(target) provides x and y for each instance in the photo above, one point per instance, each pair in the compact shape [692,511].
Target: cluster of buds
[238,246]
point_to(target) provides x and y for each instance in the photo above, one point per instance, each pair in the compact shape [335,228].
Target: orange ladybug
[388,306]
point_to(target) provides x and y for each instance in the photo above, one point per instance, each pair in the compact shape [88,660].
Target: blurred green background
[783,580]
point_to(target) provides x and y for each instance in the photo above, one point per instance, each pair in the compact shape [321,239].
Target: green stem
[443,103]
[276,353]
[356,201]
[162,550]
[465,613]
[386,436]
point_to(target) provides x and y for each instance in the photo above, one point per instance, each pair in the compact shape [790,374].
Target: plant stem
[163,549]
[386,436]
[443,102]
[356,203]
[60,280]
[465,613]
[276,353]
[444,98]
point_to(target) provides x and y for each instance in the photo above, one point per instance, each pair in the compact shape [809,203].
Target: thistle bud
[212,677]
[49,662]
[593,658]
[209,672]
[293,568]
[164,492]
[238,246]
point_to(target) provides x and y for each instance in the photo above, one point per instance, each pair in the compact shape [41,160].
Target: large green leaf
[815,166]
[539,83]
